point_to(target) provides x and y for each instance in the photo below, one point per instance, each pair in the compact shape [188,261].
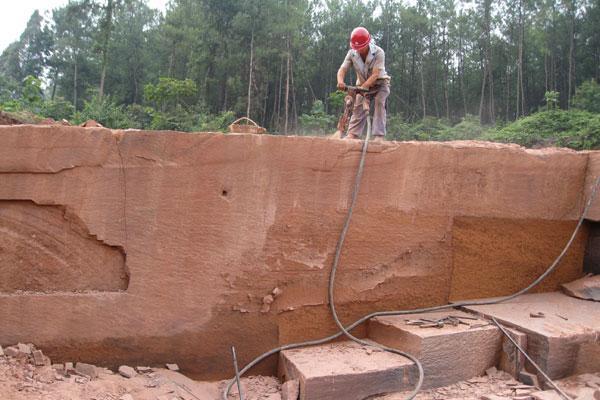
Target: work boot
[379,138]
[351,136]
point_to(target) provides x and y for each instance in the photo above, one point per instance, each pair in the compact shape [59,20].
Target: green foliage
[398,128]
[177,119]
[576,129]
[317,121]
[168,93]
[336,102]
[140,116]
[551,98]
[216,122]
[468,128]
[429,128]
[32,91]
[9,89]
[436,129]
[106,112]
[587,97]
[57,109]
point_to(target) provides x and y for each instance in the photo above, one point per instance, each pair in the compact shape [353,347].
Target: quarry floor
[20,379]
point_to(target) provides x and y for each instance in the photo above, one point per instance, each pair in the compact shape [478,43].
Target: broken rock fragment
[546,395]
[38,358]
[86,370]
[587,288]
[24,348]
[14,352]
[172,367]
[127,371]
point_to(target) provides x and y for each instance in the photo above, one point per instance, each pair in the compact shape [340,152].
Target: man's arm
[378,66]
[371,80]
[341,74]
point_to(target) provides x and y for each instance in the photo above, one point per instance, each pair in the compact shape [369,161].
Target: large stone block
[449,354]
[564,341]
[345,370]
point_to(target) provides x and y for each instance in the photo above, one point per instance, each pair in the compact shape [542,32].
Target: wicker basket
[249,127]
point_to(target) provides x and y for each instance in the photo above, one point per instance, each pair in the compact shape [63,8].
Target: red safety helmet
[359,38]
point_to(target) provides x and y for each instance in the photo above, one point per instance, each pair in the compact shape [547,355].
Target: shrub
[576,129]
[57,109]
[170,93]
[317,121]
[219,122]
[104,111]
[587,97]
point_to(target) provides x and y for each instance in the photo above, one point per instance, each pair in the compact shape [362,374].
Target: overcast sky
[14,16]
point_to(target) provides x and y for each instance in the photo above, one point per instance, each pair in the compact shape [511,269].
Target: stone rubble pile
[34,373]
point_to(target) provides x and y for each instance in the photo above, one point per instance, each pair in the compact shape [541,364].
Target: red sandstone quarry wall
[160,246]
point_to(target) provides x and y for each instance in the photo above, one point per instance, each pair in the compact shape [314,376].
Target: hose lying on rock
[345,330]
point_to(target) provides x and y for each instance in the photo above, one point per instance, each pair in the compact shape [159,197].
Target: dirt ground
[22,379]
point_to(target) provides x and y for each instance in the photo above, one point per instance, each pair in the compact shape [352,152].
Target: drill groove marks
[46,249]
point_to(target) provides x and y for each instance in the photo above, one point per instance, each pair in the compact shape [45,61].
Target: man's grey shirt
[364,69]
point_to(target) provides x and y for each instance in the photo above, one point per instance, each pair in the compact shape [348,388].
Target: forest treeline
[460,69]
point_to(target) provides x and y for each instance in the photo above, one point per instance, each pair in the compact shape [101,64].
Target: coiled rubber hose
[345,330]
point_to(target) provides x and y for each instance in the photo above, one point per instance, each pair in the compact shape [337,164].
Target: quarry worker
[368,61]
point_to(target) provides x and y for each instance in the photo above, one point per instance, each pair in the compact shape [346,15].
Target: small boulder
[172,367]
[14,352]
[86,370]
[90,123]
[127,371]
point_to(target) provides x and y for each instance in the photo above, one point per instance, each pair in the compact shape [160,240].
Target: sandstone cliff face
[146,247]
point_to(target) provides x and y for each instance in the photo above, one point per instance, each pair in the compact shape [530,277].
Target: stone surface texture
[561,347]
[345,370]
[161,246]
[511,359]
[449,354]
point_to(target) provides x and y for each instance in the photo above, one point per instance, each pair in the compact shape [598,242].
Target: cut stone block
[345,370]
[556,344]
[511,359]
[449,354]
